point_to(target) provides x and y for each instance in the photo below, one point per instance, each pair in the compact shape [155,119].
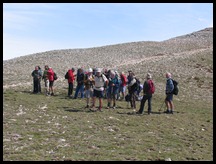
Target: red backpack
[151,87]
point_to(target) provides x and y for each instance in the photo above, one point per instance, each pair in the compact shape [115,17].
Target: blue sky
[37,27]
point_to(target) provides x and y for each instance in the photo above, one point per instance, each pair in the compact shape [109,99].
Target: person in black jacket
[36,74]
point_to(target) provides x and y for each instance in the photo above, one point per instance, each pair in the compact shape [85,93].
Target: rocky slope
[189,58]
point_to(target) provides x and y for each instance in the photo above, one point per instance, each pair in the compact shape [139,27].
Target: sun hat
[98,70]
[90,70]
[148,76]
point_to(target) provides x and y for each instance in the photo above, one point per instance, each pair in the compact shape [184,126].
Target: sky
[30,28]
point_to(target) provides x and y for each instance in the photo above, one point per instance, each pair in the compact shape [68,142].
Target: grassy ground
[39,127]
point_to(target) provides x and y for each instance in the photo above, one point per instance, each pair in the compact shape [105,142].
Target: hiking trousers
[145,97]
[70,89]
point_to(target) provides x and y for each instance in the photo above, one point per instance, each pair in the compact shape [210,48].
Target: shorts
[98,94]
[46,83]
[122,89]
[89,93]
[169,97]
[51,83]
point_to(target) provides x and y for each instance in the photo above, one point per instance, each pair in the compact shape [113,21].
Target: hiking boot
[52,94]
[138,112]
[167,111]
[107,107]
[92,106]
[114,107]
[87,106]
[99,109]
[171,112]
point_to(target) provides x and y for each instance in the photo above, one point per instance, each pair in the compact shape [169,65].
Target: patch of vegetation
[39,127]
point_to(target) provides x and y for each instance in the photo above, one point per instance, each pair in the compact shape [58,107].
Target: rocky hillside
[189,58]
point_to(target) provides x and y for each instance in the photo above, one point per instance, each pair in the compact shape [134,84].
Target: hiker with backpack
[113,87]
[70,77]
[36,74]
[46,80]
[169,94]
[148,90]
[50,75]
[99,81]
[132,86]
[88,81]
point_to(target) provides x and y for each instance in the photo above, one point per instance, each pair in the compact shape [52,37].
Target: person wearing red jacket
[50,75]
[71,78]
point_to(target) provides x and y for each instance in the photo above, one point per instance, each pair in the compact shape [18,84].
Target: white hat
[90,70]
[98,70]
[148,76]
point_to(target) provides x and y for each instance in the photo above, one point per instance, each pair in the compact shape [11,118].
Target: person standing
[169,94]
[80,83]
[88,81]
[39,83]
[132,86]
[112,89]
[99,81]
[123,85]
[36,74]
[50,75]
[46,80]
[148,90]
[71,78]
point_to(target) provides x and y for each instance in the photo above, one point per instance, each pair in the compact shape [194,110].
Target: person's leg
[142,105]
[77,91]
[167,103]
[39,86]
[108,99]
[114,100]
[69,89]
[34,86]
[82,91]
[149,104]
[87,92]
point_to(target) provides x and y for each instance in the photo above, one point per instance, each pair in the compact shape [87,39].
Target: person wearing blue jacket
[169,94]
[113,87]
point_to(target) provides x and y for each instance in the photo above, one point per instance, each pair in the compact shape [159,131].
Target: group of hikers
[102,83]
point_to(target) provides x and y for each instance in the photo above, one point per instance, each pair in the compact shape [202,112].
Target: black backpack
[66,76]
[55,76]
[175,90]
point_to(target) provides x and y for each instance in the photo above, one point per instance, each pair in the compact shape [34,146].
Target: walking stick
[161,107]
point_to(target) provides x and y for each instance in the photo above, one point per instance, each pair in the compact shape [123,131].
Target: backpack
[127,98]
[66,75]
[151,87]
[137,85]
[55,76]
[175,90]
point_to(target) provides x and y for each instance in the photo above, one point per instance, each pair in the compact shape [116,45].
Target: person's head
[168,75]
[98,71]
[148,76]
[73,69]
[112,74]
[46,67]
[90,71]
[36,68]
